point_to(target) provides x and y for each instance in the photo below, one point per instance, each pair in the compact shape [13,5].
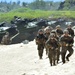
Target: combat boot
[67,58]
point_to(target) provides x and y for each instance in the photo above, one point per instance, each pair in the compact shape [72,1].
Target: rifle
[14,36]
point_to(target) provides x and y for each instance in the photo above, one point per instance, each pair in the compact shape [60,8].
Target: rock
[25,42]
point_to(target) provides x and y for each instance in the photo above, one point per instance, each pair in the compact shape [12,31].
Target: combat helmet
[40,30]
[52,35]
[65,31]
[53,31]
[7,33]
[58,26]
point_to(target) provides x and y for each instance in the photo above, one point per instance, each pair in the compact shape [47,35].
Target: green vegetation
[28,13]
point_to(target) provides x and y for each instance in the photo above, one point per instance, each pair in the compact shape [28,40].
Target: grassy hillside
[28,13]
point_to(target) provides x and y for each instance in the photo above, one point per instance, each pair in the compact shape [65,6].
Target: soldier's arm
[61,40]
[36,39]
[73,33]
[71,40]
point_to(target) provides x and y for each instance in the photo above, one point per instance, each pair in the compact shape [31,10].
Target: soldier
[40,41]
[59,31]
[52,45]
[55,33]
[66,43]
[6,39]
[70,30]
[43,27]
[57,38]
[47,34]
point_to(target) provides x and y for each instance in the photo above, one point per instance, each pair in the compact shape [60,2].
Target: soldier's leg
[50,60]
[40,54]
[54,62]
[58,54]
[63,54]
[70,49]
[40,51]
[63,57]
[54,57]
[47,51]
[50,57]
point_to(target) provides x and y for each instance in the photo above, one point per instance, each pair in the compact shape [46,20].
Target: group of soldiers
[56,42]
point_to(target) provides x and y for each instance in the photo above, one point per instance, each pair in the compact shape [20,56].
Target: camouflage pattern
[40,47]
[6,40]
[47,35]
[52,45]
[66,44]
[40,41]
[71,32]
[57,38]
[55,42]
[59,31]
[47,31]
[58,34]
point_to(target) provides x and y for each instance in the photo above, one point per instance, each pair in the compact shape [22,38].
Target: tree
[69,4]
[38,4]
[24,4]
[18,2]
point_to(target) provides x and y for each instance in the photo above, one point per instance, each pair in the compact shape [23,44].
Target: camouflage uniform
[40,41]
[47,34]
[57,38]
[70,30]
[59,31]
[6,39]
[66,43]
[52,45]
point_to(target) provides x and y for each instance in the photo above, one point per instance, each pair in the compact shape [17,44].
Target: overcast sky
[28,0]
